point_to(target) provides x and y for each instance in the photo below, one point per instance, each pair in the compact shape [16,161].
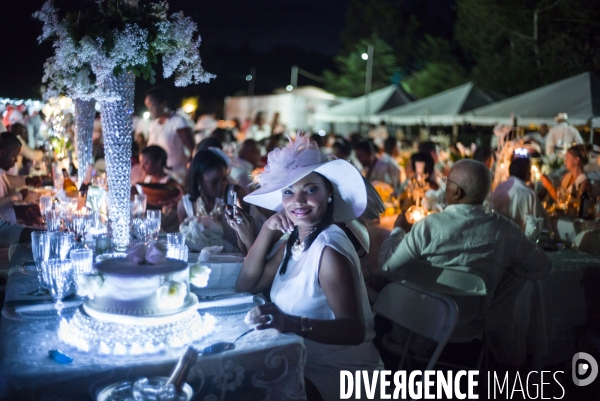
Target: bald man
[465,235]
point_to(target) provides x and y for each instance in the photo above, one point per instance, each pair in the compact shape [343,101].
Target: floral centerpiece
[99,51]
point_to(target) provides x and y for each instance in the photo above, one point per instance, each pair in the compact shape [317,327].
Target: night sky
[271,35]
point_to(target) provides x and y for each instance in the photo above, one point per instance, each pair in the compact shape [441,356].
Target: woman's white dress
[298,292]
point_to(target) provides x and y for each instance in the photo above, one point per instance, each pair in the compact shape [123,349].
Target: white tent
[578,96]
[296,108]
[442,108]
[348,115]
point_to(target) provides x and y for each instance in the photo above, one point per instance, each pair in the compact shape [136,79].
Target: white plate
[12,314]
[239,309]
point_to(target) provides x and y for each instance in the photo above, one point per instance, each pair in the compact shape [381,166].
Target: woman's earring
[199,188]
[329,200]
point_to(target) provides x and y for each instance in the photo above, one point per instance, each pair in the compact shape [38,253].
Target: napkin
[206,253]
[235,299]
[154,254]
[533,227]
[201,232]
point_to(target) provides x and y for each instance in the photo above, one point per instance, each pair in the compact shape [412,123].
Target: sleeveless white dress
[298,292]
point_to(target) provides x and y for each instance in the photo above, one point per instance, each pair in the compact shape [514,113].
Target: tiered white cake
[142,294]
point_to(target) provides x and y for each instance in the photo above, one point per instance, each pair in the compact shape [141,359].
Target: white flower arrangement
[119,35]
[172,294]
[199,275]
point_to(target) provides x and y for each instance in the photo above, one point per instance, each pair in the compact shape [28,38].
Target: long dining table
[265,365]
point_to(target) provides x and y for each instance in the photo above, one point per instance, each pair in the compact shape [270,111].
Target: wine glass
[45,204]
[138,205]
[58,273]
[142,230]
[79,223]
[52,218]
[40,247]
[154,217]
[60,245]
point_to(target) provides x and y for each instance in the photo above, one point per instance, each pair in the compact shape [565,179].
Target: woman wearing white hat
[314,279]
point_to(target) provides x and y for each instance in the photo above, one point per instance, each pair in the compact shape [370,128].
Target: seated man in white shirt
[514,199]
[485,243]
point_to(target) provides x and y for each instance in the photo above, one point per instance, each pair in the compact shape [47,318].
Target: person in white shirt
[513,198]
[538,136]
[10,148]
[170,131]
[485,243]
[259,130]
[562,136]
[375,168]
[247,160]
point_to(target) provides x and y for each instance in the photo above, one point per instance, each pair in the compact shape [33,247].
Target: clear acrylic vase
[117,123]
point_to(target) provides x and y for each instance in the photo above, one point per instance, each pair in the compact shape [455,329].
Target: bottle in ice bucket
[187,360]
[68,184]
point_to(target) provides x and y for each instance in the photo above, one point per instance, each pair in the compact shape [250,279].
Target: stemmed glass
[60,245]
[79,223]
[52,218]
[45,205]
[40,246]
[138,206]
[67,207]
[153,217]
[142,230]
[58,273]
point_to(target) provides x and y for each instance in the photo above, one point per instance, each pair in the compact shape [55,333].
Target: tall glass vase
[117,123]
[85,112]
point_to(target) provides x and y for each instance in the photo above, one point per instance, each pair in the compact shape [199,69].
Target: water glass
[154,217]
[175,239]
[82,260]
[80,223]
[138,205]
[40,248]
[58,272]
[178,252]
[45,204]
[60,245]
[562,198]
[142,230]
[52,218]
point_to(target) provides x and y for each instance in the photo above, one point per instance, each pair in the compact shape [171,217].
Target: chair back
[419,310]
[449,280]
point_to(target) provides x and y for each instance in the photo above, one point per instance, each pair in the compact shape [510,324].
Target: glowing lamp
[415,213]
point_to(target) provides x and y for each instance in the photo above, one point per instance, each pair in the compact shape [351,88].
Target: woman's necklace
[299,247]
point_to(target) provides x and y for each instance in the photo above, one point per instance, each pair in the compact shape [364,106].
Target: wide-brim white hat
[561,116]
[297,160]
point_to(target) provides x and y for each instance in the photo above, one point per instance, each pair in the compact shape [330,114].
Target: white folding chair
[421,311]
[470,292]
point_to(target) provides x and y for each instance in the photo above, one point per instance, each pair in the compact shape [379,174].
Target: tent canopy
[578,96]
[439,109]
[353,110]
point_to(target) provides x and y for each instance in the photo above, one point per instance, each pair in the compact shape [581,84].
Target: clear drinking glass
[40,248]
[138,206]
[154,217]
[562,198]
[176,239]
[176,248]
[45,204]
[58,273]
[52,218]
[60,245]
[82,260]
[79,224]
[103,243]
[142,229]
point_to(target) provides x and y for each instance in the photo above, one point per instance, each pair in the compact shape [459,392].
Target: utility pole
[368,80]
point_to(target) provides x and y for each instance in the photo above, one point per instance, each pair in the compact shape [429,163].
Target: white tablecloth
[265,365]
